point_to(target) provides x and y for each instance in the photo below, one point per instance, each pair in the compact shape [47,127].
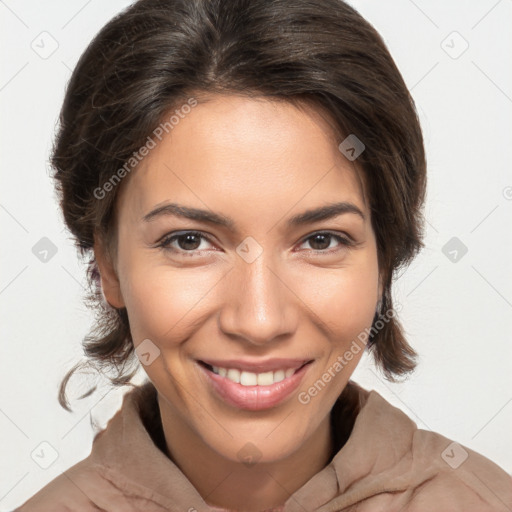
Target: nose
[259,304]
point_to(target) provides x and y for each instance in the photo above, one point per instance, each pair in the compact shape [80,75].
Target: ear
[108,276]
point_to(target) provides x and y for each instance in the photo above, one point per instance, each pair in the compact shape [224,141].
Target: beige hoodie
[387,464]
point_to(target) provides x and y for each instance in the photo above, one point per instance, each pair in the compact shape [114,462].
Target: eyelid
[343,238]
[339,234]
[173,235]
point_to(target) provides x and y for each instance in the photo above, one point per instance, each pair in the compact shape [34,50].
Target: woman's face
[257,280]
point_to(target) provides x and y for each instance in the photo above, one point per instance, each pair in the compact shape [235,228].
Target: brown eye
[188,241]
[321,242]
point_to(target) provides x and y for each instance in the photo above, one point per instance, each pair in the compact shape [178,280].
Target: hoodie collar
[131,453]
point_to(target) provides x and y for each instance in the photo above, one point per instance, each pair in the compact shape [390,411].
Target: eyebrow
[326,212]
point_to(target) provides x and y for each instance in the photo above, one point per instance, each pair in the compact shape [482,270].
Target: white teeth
[248,379]
[252,379]
[265,379]
[233,375]
[279,376]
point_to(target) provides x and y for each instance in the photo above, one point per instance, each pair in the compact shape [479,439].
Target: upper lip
[269,365]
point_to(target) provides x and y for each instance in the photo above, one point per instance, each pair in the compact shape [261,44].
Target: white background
[457,314]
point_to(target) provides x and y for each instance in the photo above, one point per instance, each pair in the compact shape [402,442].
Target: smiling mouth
[247,378]
[250,391]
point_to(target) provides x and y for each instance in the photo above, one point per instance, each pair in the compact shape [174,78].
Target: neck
[229,484]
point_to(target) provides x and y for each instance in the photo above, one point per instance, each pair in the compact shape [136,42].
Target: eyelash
[165,242]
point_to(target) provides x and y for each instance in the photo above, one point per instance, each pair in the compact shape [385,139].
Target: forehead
[256,153]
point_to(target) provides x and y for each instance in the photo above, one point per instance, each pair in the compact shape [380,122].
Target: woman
[248,176]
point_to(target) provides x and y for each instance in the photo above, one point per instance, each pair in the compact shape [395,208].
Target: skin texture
[259,162]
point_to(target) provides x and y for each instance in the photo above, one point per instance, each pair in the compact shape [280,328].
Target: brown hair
[154,55]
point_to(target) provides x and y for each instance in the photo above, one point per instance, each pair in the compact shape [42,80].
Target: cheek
[161,301]
[166,304]
[343,299]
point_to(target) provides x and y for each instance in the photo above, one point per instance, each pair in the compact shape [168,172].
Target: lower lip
[254,398]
